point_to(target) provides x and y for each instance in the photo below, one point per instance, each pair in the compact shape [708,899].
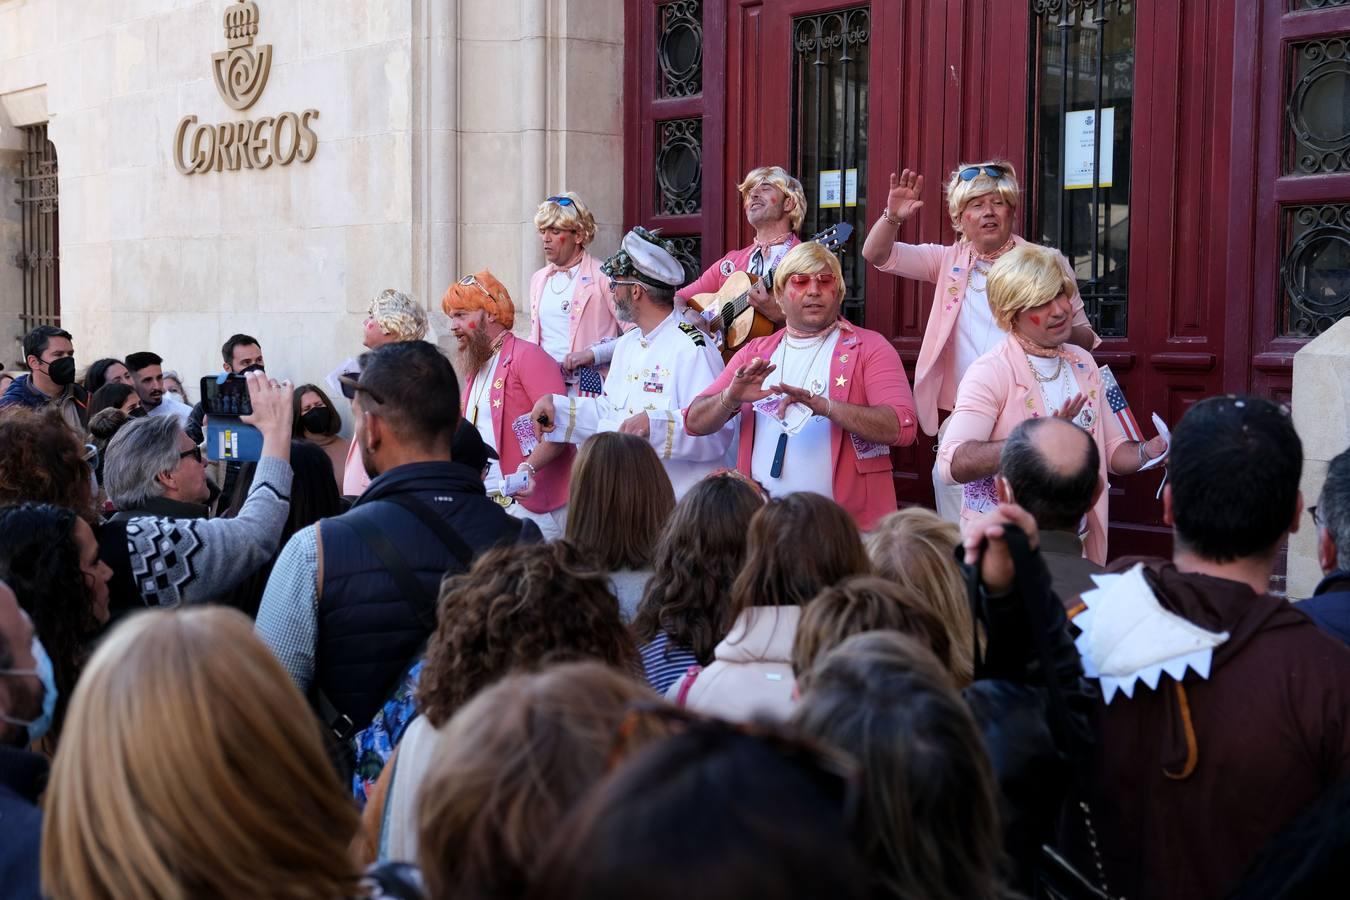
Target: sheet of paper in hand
[524,432]
[792,417]
[1163,430]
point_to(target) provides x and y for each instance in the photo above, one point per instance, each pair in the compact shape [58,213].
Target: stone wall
[441,125]
[1321,406]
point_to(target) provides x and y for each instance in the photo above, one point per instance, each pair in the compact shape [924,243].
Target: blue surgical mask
[37,728]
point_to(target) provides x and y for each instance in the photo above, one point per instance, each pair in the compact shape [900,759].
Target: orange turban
[481,290]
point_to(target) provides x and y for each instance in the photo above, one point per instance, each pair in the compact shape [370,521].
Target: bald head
[1052,467]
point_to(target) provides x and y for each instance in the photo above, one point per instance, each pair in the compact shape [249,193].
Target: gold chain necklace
[1044,379]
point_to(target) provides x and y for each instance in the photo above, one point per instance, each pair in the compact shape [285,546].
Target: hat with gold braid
[644,257]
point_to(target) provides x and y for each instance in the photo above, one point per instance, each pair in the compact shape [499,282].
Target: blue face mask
[37,728]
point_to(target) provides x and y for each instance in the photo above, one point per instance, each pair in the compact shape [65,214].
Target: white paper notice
[1080,136]
[831,189]
[1159,424]
[850,187]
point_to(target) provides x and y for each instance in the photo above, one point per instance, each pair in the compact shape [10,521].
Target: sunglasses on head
[561,201]
[350,387]
[824,279]
[969,172]
[471,281]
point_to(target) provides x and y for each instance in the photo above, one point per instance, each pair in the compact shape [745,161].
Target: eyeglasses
[350,386]
[969,172]
[561,201]
[823,279]
[470,280]
[614,284]
[195,453]
[1316,516]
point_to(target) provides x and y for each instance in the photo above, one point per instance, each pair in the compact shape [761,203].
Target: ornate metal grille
[679,167]
[40,254]
[689,251]
[1315,268]
[679,48]
[830,89]
[1317,108]
[1083,100]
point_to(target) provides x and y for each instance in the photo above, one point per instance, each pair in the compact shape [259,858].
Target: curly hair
[519,608]
[40,561]
[42,461]
[696,560]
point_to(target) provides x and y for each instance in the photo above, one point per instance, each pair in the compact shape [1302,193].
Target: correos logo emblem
[241,72]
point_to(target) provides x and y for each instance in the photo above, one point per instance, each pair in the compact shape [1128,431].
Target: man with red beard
[503,376]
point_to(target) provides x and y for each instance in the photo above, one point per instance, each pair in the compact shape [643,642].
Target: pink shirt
[935,377]
[998,394]
[591,317]
[716,275]
[865,370]
[524,373]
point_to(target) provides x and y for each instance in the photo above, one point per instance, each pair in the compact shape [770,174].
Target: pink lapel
[497,390]
[587,286]
[843,363]
[1026,395]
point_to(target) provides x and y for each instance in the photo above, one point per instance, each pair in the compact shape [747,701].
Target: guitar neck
[725,313]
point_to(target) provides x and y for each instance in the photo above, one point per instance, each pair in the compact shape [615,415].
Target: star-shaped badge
[840,381]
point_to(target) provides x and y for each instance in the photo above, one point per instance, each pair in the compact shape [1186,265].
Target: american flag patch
[589,382]
[1120,407]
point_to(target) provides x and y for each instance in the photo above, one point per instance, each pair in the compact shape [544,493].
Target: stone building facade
[438,125]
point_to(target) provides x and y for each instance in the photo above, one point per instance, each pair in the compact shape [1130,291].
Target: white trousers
[948,497]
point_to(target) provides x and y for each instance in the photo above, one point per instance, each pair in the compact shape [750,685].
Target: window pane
[1315,268]
[679,48]
[1084,98]
[1318,107]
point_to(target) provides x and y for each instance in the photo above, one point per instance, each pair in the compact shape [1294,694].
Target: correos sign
[241,74]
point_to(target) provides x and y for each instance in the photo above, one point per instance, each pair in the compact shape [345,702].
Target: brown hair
[797,545]
[929,810]
[697,558]
[508,767]
[191,766]
[334,420]
[858,604]
[619,501]
[913,548]
[42,461]
[519,608]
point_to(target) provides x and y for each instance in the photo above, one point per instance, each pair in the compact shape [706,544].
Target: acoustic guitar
[731,319]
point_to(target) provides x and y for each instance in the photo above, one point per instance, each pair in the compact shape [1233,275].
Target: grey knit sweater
[176,561]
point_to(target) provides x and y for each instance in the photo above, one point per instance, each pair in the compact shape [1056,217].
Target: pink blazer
[998,394]
[524,374]
[865,369]
[716,275]
[591,316]
[935,378]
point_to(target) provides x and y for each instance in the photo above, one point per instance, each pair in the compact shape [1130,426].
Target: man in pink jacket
[982,203]
[503,376]
[571,307]
[775,206]
[827,420]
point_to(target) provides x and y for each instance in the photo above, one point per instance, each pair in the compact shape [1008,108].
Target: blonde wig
[808,258]
[779,178]
[190,767]
[398,314]
[913,549]
[1025,277]
[960,192]
[572,216]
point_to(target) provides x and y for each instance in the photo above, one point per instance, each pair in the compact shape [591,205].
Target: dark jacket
[162,507]
[23,776]
[73,401]
[1070,571]
[1329,606]
[1192,779]
[368,629]
[1032,704]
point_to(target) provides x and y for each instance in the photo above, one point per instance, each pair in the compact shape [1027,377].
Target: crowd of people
[624,606]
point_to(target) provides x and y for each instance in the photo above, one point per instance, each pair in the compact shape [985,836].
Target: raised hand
[903,200]
[1071,408]
[745,385]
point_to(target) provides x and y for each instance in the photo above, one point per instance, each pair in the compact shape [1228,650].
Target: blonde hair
[808,258]
[961,192]
[1025,277]
[190,766]
[567,217]
[913,548]
[398,314]
[779,178]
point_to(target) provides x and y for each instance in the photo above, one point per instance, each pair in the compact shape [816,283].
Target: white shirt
[658,373]
[171,406]
[555,300]
[1056,392]
[976,332]
[480,413]
[808,461]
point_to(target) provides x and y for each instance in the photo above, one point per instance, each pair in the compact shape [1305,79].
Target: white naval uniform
[659,373]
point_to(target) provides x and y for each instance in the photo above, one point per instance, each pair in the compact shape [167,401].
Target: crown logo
[241,74]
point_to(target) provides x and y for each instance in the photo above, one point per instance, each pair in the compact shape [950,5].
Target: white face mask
[177,395]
